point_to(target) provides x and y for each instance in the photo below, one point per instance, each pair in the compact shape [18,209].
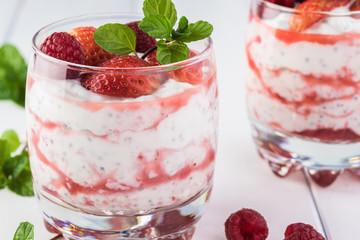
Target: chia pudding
[111,155]
[305,83]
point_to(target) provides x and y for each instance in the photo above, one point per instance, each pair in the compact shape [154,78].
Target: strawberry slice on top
[94,54]
[120,82]
[308,13]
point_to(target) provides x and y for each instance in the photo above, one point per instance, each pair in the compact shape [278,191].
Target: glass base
[324,161]
[176,223]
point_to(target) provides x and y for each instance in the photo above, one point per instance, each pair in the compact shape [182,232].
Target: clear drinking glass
[302,89]
[120,168]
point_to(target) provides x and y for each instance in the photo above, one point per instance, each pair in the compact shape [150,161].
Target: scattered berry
[246,224]
[94,54]
[192,74]
[143,41]
[285,3]
[302,231]
[63,46]
[302,21]
[121,83]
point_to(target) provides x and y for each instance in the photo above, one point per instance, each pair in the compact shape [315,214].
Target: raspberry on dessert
[285,3]
[143,41]
[307,17]
[63,46]
[94,54]
[302,231]
[121,83]
[246,224]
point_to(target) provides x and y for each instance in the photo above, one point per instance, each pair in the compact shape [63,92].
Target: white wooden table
[241,178]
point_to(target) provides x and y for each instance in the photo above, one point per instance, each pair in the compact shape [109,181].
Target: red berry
[143,41]
[152,59]
[302,231]
[246,224]
[120,82]
[285,3]
[307,16]
[192,74]
[63,46]
[94,54]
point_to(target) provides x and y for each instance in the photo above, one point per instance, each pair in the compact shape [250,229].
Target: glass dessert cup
[302,91]
[121,168]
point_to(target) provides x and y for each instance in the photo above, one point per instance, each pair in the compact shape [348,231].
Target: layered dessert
[137,145]
[303,73]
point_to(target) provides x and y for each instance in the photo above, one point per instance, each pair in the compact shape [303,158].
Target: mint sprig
[116,38]
[159,21]
[15,170]
[25,231]
[13,69]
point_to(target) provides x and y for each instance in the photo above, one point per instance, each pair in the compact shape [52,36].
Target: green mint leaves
[25,231]
[13,70]
[15,170]
[159,21]
[116,38]
[160,7]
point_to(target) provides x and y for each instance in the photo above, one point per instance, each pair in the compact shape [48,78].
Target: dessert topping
[308,16]
[119,83]
[94,54]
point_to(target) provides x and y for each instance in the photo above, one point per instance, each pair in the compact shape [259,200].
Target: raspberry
[246,224]
[302,231]
[63,46]
[143,41]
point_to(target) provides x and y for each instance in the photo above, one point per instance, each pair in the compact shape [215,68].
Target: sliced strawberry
[121,83]
[192,74]
[152,59]
[94,54]
[307,16]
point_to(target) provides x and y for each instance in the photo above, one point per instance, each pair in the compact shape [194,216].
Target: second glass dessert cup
[121,168]
[302,84]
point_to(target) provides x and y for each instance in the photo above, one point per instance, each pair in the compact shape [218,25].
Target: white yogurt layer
[304,85]
[118,154]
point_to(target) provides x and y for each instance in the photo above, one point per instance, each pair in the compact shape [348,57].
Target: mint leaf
[13,71]
[198,31]
[156,26]
[175,52]
[116,38]
[182,30]
[15,165]
[17,169]
[3,179]
[12,138]
[25,231]
[164,8]
[5,151]
[183,24]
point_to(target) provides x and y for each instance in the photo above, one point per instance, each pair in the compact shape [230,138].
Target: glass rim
[296,11]
[206,51]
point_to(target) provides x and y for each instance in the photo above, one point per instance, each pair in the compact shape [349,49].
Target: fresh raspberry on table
[302,231]
[94,54]
[121,82]
[246,224]
[143,41]
[63,46]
